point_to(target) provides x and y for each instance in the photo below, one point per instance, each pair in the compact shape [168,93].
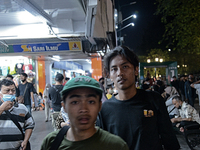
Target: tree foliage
[182,21]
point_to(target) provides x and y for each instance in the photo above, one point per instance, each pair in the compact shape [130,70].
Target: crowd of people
[87,114]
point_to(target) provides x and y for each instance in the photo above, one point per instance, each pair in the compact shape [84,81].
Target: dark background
[148,29]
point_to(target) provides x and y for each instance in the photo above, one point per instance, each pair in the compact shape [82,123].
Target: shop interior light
[55,59]
[89,61]
[56,56]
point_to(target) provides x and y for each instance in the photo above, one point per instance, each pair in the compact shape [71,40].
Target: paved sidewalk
[42,128]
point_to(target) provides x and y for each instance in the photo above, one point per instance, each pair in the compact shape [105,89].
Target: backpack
[58,97]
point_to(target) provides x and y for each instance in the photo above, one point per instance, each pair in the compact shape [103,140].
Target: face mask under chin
[23,80]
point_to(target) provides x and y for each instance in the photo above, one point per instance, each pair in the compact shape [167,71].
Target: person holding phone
[10,135]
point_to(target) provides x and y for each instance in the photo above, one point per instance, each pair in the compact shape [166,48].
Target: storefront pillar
[96,68]
[48,74]
[41,75]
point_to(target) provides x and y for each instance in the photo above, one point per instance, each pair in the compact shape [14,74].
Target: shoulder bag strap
[15,121]
[25,89]
[59,137]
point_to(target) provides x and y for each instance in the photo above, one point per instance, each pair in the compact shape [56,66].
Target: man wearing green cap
[82,101]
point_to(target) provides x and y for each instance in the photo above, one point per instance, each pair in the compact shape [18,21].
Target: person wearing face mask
[47,102]
[10,135]
[26,89]
[109,91]
[187,114]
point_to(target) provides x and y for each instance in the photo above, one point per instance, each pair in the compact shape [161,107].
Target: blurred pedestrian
[190,92]
[47,102]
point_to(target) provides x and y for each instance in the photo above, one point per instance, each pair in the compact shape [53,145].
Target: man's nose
[83,107]
[119,72]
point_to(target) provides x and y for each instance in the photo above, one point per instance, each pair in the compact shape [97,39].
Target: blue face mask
[7,97]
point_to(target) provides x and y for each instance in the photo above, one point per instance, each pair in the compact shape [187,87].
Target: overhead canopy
[30,21]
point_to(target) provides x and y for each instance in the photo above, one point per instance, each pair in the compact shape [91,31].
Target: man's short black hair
[67,78]
[124,52]
[102,78]
[174,77]
[6,82]
[24,74]
[177,98]
[9,76]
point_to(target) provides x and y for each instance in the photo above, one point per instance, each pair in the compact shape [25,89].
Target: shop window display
[15,66]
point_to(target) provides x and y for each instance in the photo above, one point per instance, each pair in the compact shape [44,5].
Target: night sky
[148,29]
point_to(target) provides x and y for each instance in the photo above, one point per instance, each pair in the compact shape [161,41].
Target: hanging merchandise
[4,70]
[12,69]
[19,68]
[27,67]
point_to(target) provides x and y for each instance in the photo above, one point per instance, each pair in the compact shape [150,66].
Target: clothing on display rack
[19,68]
[27,67]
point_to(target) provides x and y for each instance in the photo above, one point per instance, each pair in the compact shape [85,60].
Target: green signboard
[171,69]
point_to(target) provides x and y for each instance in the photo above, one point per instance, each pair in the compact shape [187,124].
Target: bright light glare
[116,27]
[26,17]
[161,60]
[169,50]
[132,24]
[55,59]
[134,16]
[148,60]
[56,56]
[156,59]
[178,66]
[116,15]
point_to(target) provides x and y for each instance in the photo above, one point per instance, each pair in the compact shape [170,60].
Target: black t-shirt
[54,96]
[127,119]
[27,95]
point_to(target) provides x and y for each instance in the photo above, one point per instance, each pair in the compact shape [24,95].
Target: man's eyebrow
[74,95]
[78,96]
[120,64]
[92,95]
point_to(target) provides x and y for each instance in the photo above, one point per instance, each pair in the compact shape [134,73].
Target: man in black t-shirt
[54,96]
[139,117]
[26,89]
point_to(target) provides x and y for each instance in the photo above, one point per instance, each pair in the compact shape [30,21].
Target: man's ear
[63,105]
[136,71]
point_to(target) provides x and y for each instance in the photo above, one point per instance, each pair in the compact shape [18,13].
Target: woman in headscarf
[47,102]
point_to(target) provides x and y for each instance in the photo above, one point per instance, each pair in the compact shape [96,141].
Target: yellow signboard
[75,46]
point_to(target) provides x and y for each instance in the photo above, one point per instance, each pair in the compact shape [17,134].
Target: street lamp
[119,12]
[131,16]
[130,24]
[148,60]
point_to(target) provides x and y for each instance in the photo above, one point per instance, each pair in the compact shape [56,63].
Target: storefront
[15,65]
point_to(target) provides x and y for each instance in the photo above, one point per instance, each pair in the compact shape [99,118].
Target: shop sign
[67,65]
[5,49]
[47,47]
[75,46]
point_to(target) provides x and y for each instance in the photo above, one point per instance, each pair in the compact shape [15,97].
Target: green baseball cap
[81,81]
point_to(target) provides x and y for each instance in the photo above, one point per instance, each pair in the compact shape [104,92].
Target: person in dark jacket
[175,83]
[190,92]
[54,96]
[139,117]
